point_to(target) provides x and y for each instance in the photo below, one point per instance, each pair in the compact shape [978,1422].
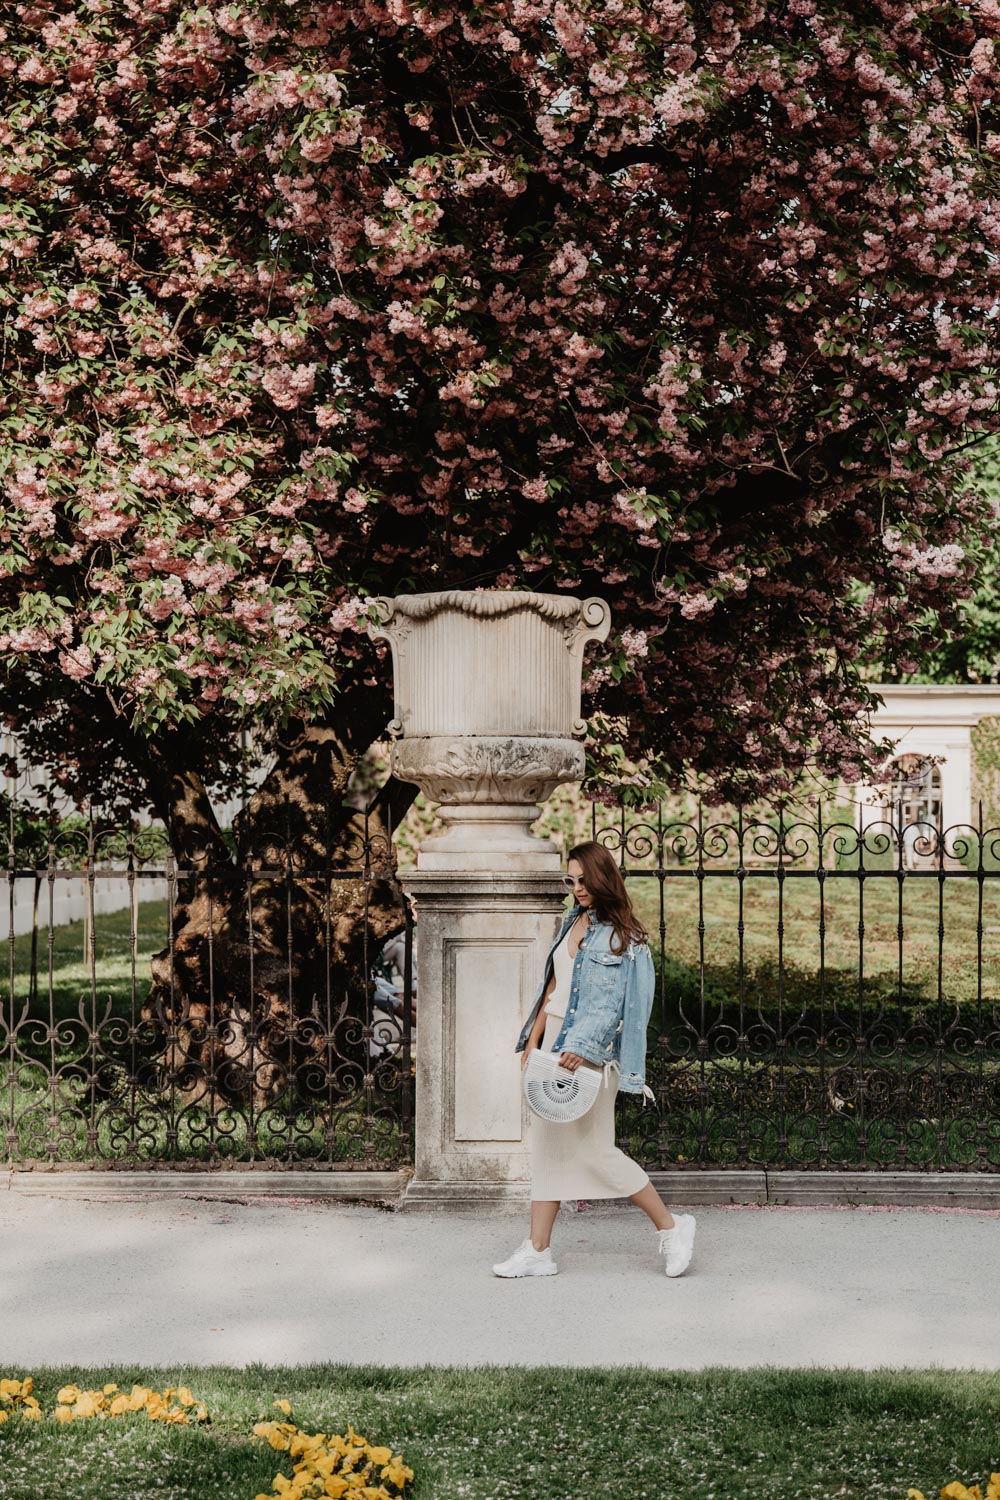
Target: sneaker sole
[519,1275]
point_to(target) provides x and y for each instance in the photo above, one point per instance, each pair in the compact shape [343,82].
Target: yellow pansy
[334,1467]
[285,1406]
[74,1404]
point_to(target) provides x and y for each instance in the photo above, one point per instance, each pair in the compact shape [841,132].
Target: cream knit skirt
[580,1159]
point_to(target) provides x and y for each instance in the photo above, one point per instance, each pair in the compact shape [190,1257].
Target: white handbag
[555,1093]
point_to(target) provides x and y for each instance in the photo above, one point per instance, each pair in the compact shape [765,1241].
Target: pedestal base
[448,1197]
[481,950]
[493,839]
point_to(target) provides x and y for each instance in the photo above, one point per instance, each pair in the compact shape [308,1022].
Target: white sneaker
[677,1245]
[527,1261]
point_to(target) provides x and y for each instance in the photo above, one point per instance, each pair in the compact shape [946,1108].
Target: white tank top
[562,964]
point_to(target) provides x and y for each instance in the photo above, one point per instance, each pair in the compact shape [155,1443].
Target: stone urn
[487,714]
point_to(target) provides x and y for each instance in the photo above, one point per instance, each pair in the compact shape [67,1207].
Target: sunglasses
[571,882]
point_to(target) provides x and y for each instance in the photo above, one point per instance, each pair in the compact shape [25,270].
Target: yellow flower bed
[76,1405]
[331,1466]
[958,1491]
[15,1395]
[327,1467]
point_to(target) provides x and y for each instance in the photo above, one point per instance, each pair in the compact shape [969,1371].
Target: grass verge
[544,1433]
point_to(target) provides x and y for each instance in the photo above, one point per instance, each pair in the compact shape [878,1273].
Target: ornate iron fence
[205,1012]
[828,995]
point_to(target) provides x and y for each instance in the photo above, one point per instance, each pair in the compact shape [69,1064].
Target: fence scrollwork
[199,1010]
[828,990]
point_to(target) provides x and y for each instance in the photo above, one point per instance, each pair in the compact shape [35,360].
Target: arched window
[916,788]
[916,799]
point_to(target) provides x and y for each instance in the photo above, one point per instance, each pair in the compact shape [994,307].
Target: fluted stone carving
[487,710]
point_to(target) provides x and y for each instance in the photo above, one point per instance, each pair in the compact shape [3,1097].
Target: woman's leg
[543,1216]
[652,1204]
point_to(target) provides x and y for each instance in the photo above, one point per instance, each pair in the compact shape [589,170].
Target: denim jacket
[611,997]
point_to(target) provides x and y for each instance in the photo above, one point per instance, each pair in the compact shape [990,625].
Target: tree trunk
[264,986]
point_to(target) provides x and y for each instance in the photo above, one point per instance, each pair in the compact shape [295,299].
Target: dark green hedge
[805,1005]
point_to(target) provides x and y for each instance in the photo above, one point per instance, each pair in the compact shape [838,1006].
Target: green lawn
[925,906]
[680,917]
[71,985]
[542,1434]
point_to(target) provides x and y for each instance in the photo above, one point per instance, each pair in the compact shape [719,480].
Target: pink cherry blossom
[691,306]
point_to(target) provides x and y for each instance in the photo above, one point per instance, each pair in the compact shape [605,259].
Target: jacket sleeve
[648,984]
[596,1047]
[638,1009]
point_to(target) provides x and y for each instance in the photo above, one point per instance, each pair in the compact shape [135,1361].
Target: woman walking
[593,1007]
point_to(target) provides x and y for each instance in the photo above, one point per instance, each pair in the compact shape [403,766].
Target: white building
[931,726]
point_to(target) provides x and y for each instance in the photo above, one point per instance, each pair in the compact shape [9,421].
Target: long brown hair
[611,903]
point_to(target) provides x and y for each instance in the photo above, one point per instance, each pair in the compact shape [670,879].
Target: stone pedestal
[487,714]
[480,953]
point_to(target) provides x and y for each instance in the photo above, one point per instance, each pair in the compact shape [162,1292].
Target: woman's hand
[529,1049]
[572,1060]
